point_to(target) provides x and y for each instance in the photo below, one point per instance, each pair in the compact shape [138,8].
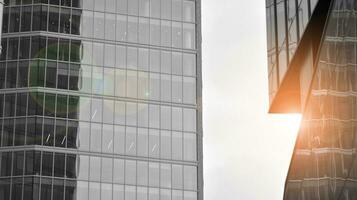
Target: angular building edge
[291,95]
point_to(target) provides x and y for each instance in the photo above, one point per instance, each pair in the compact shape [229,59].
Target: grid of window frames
[286,22]
[98,100]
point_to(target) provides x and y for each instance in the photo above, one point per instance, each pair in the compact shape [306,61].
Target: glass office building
[317,76]
[101,100]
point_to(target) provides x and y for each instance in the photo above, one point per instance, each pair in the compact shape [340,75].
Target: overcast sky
[246,151]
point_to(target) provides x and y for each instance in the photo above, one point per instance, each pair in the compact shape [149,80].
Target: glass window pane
[154,116]
[177,10]
[165,194]
[110,26]
[177,195]
[177,145]
[108,110]
[95,138]
[177,176]
[165,117]
[143,85]
[154,193]
[176,35]
[166,33]
[47,163]
[143,142]
[165,144]
[190,178]
[130,141]
[144,8]
[94,191]
[132,28]
[118,174]
[177,89]
[166,62]
[59,165]
[109,54]
[165,87]
[98,24]
[83,167]
[190,195]
[97,112]
[131,114]
[121,27]
[189,146]
[144,31]
[154,86]
[189,116]
[189,36]
[120,83]
[141,193]
[155,32]
[108,81]
[133,7]
[132,84]
[82,190]
[99,5]
[165,175]
[94,173]
[189,11]
[119,112]
[142,172]
[130,193]
[176,118]
[106,191]
[154,174]
[132,58]
[154,60]
[143,62]
[177,63]
[155,8]
[84,108]
[118,192]
[107,170]
[130,172]
[189,64]
[110,5]
[154,143]
[107,145]
[143,115]
[119,139]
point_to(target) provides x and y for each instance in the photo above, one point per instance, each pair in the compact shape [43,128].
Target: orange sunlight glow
[292,122]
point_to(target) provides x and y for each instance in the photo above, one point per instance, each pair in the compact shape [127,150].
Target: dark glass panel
[48,132]
[38,47]
[31,188]
[21,104]
[71,166]
[52,48]
[13,48]
[37,73]
[77,3]
[26,18]
[16,193]
[7,134]
[40,17]
[58,189]
[76,21]
[32,163]
[72,129]
[24,48]
[34,131]
[65,21]
[6,160]
[4,49]
[18,166]
[5,23]
[55,2]
[20,128]
[35,104]
[46,188]
[59,165]
[14,19]
[60,139]
[5,189]
[51,74]
[70,190]
[1,108]
[75,50]
[66,3]
[62,101]
[11,72]
[47,163]
[53,19]
[9,105]
[62,73]
[22,79]
[73,107]
[73,77]
[25,2]
[2,74]
[63,51]
[50,104]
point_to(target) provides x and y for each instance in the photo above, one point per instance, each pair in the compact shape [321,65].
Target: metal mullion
[276,43]
[286,33]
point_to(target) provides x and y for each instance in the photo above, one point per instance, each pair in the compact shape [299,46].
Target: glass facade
[286,23]
[323,164]
[101,99]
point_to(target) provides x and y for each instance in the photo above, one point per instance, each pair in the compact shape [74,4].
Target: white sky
[246,151]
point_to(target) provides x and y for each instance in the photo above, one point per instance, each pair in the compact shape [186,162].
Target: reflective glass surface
[99,99]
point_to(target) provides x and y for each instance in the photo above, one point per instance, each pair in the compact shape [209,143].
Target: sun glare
[292,121]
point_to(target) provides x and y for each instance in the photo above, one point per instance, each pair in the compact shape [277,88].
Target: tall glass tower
[101,100]
[313,62]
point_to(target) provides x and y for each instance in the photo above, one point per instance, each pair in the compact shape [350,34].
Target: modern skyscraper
[312,48]
[101,100]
